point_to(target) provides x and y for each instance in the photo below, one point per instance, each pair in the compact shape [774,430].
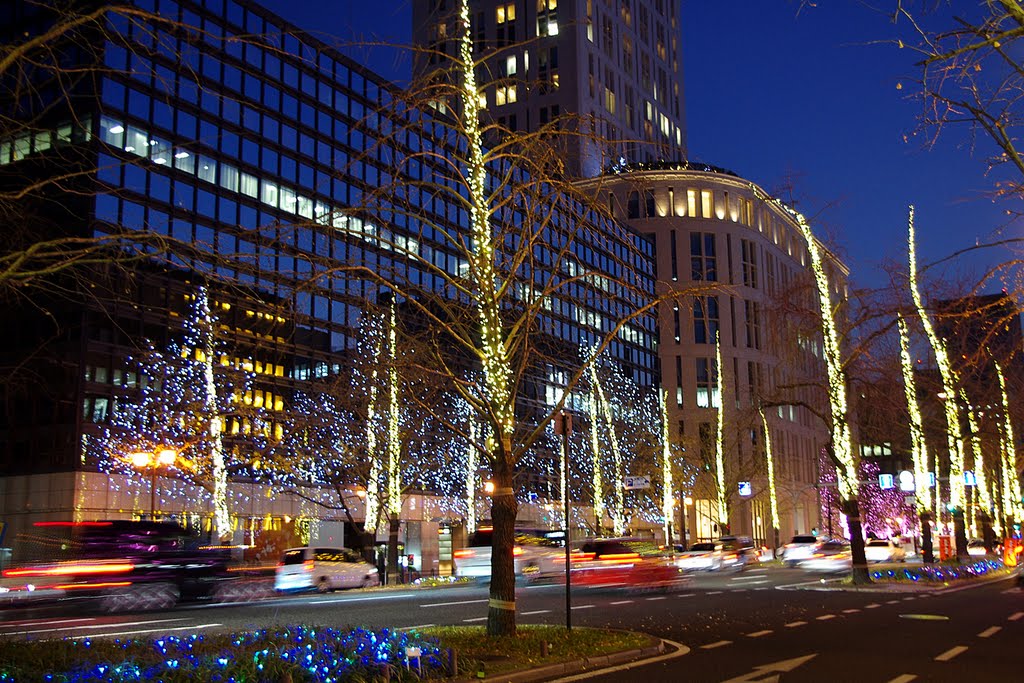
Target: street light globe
[688,501]
[488,487]
[140,459]
[166,456]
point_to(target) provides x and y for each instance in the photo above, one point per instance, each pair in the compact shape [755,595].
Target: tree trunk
[987,535]
[860,562]
[501,609]
[393,574]
[960,534]
[927,550]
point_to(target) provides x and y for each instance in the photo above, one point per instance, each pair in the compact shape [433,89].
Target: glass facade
[266,156]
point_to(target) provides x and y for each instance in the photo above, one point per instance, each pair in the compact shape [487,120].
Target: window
[705,320]
[748,255]
[633,205]
[752,309]
[702,257]
[707,383]
[547,17]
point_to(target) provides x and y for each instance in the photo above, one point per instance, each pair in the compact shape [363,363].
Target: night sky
[804,102]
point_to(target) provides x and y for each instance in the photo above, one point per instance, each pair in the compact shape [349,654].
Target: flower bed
[294,654]
[940,573]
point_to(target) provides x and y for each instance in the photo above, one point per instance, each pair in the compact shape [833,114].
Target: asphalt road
[759,625]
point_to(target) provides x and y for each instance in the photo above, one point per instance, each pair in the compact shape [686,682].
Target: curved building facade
[733,265]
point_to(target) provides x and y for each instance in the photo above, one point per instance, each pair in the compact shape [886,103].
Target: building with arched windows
[732,264]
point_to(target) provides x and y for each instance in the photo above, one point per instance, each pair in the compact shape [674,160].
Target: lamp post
[153,461]
[686,502]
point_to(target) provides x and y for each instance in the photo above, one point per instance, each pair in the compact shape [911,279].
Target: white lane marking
[114,624]
[686,595]
[536,611]
[759,569]
[872,606]
[748,578]
[904,678]
[909,598]
[396,596]
[468,621]
[582,606]
[656,597]
[448,604]
[794,624]
[851,611]
[1015,616]
[990,631]
[714,592]
[891,602]
[1012,590]
[738,590]
[825,617]
[622,602]
[43,622]
[758,634]
[410,628]
[712,646]
[950,653]
[145,630]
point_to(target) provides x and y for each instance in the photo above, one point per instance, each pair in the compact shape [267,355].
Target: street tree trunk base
[501,608]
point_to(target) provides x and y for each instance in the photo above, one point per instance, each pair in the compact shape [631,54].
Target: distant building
[742,270]
[617,66]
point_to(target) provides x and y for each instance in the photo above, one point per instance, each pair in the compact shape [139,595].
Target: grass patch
[526,649]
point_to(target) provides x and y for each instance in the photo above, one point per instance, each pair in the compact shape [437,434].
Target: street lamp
[153,461]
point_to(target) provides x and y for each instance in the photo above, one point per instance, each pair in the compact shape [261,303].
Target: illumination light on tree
[618,511]
[919,449]
[472,463]
[667,499]
[978,467]
[954,438]
[221,515]
[595,450]
[770,458]
[723,502]
[841,437]
[374,340]
[1012,506]
[394,446]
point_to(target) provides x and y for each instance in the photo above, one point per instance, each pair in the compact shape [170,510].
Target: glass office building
[223,128]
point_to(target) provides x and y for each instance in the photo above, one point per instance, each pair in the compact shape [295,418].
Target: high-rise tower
[609,69]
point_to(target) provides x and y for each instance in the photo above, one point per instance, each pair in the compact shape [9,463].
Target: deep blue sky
[806,98]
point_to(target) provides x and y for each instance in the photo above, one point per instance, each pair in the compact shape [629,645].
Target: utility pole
[563,426]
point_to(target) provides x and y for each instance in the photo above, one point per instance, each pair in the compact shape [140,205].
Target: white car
[323,569]
[538,554]
[976,548]
[799,548]
[884,550]
[830,557]
[724,554]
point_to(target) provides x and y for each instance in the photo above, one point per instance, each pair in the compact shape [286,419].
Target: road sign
[746,489]
[885,481]
[637,482]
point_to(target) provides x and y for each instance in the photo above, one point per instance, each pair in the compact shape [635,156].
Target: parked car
[323,569]
[830,557]
[537,554]
[799,548]
[622,563]
[884,550]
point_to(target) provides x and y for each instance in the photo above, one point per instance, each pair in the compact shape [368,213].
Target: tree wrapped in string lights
[196,400]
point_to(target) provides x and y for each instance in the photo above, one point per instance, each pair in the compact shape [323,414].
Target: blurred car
[537,554]
[828,558]
[120,565]
[799,548]
[323,569]
[725,554]
[976,548]
[884,550]
[700,557]
[621,563]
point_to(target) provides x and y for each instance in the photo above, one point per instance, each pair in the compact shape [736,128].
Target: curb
[890,587]
[572,667]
